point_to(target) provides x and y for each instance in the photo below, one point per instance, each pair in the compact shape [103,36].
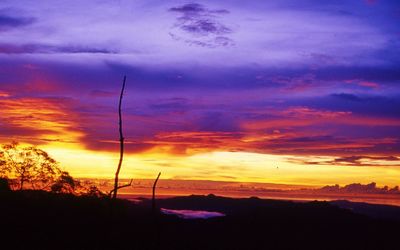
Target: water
[192,214]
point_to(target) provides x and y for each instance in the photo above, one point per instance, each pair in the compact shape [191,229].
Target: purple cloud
[49,49]
[10,22]
[202,25]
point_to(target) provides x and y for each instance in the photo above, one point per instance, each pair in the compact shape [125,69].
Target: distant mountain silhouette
[371,210]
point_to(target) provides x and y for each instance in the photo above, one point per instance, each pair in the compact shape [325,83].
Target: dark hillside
[41,220]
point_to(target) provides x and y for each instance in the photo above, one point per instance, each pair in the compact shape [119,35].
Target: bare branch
[119,187]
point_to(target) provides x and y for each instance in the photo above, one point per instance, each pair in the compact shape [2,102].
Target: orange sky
[57,133]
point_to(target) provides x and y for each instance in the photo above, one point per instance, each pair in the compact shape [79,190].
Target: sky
[292,92]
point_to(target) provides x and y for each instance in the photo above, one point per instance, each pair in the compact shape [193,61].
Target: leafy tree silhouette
[28,166]
[65,184]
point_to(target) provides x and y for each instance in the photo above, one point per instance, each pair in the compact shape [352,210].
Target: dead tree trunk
[156,219]
[121,142]
[153,200]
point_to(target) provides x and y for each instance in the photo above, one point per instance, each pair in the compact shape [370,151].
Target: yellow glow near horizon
[220,166]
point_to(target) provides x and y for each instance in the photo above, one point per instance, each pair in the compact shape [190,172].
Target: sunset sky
[292,92]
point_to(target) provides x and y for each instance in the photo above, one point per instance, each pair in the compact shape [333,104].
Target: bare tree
[153,203]
[156,219]
[121,142]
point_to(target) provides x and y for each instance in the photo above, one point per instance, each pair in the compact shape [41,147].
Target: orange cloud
[38,119]
[303,116]
[190,142]
[4,94]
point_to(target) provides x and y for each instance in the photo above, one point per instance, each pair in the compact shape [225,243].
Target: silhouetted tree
[65,184]
[28,165]
[88,187]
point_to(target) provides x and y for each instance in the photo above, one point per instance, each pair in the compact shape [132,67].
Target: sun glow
[220,166]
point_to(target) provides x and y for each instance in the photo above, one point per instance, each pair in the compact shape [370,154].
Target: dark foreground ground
[39,220]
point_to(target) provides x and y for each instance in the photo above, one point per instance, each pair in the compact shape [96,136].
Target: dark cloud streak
[9,22]
[50,49]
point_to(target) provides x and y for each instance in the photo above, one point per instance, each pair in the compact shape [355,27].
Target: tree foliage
[65,183]
[28,167]
[33,168]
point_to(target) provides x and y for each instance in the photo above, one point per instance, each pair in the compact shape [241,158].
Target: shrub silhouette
[94,191]
[65,184]
[4,186]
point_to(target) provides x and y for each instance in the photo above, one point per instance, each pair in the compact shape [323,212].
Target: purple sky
[280,77]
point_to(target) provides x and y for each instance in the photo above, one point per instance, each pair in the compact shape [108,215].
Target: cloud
[186,110]
[37,120]
[324,145]
[198,111]
[366,105]
[364,84]
[357,188]
[271,34]
[277,80]
[357,160]
[200,26]
[198,20]
[94,141]
[81,49]
[9,22]
[354,160]
[50,49]
[4,94]
[297,116]
[192,142]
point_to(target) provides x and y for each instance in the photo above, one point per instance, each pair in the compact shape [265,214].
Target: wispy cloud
[201,26]
[353,160]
